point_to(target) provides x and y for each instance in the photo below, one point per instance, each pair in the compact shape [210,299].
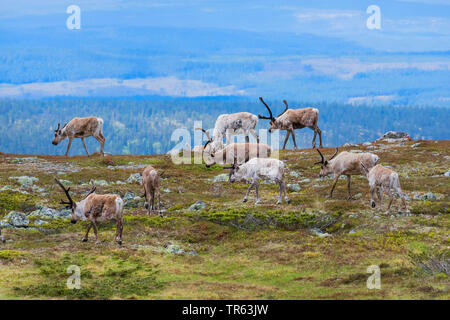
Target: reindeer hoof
[119,242]
[84,240]
[349,198]
[245,200]
[373,205]
[288,200]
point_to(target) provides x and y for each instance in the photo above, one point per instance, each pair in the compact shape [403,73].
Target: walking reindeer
[382,179]
[80,128]
[291,119]
[258,169]
[151,181]
[346,163]
[96,208]
[228,125]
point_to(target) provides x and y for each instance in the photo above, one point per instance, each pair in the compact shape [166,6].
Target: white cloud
[312,15]
[168,86]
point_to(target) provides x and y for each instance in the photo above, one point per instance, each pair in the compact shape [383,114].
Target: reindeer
[232,124]
[292,119]
[346,163]
[151,181]
[96,208]
[382,180]
[242,152]
[256,169]
[80,128]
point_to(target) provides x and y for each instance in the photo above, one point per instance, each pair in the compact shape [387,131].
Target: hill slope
[312,248]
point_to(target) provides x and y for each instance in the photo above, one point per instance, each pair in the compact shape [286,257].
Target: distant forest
[145,125]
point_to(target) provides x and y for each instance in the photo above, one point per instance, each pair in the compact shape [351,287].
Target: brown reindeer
[96,208]
[292,119]
[346,163]
[241,152]
[80,128]
[151,181]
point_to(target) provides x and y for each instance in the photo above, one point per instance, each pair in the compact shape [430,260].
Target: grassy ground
[234,249]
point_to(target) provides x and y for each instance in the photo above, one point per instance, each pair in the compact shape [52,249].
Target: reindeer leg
[119,228]
[288,133]
[84,145]
[334,185]
[257,192]
[314,137]
[253,132]
[293,138]
[320,136]
[391,198]
[372,201]
[284,190]
[1,237]
[348,186]
[281,191]
[102,143]
[85,238]
[248,191]
[94,226]
[68,146]
[158,194]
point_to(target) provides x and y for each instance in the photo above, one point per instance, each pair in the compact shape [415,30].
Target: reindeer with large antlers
[96,208]
[80,128]
[291,119]
[231,124]
[346,163]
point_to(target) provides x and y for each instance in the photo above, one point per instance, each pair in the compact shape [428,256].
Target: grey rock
[135,178]
[428,196]
[25,181]
[294,187]
[49,213]
[102,183]
[345,145]
[167,190]
[294,174]
[198,205]
[447,174]
[305,180]
[17,219]
[396,135]
[355,151]
[221,178]
[319,233]
[129,196]
[415,145]
[176,249]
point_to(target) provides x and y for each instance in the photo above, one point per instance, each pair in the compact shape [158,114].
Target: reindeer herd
[247,161]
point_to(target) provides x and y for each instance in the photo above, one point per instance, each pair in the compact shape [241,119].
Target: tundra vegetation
[222,248]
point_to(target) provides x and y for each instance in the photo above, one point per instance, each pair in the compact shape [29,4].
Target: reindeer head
[210,147]
[275,123]
[235,173]
[77,211]
[325,164]
[60,135]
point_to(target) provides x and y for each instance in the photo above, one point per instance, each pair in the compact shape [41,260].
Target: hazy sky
[418,25]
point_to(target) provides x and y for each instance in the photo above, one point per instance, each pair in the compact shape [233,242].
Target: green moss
[429,207]
[151,221]
[9,255]
[10,200]
[121,278]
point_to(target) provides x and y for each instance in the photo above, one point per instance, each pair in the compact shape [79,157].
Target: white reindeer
[241,152]
[80,128]
[292,119]
[96,208]
[231,124]
[382,179]
[346,163]
[257,169]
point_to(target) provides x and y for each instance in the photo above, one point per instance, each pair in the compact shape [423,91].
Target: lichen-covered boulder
[135,178]
[221,178]
[198,205]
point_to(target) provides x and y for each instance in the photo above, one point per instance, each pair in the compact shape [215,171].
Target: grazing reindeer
[382,180]
[151,181]
[292,119]
[241,152]
[80,128]
[257,169]
[232,124]
[346,163]
[96,208]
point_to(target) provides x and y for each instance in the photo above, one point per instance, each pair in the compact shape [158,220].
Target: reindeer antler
[66,191]
[284,101]
[321,155]
[270,111]
[58,127]
[334,155]
[92,189]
